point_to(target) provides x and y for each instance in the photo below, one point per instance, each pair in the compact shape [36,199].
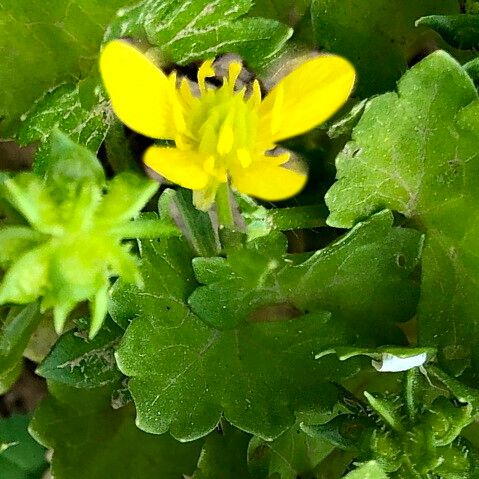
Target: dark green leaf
[233,370]
[15,332]
[261,282]
[292,455]
[461,31]
[20,456]
[377,36]
[91,440]
[78,361]
[224,455]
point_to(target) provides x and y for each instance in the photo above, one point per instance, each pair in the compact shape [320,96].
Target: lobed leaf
[260,373]
[416,152]
[262,275]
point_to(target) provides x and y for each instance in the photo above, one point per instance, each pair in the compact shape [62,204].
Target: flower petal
[184,168]
[308,96]
[140,92]
[266,180]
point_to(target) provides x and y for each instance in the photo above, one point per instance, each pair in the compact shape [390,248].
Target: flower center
[222,123]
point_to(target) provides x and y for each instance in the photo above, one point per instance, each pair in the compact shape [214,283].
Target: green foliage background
[285,347]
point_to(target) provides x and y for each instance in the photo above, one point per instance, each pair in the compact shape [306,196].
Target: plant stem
[223,206]
[410,386]
[146,229]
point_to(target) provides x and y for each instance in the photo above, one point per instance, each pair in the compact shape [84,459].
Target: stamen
[255,98]
[226,139]
[244,157]
[205,71]
[209,165]
[233,73]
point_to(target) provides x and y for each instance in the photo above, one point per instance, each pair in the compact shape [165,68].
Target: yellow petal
[140,92]
[268,181]
[307,97]
[184,168]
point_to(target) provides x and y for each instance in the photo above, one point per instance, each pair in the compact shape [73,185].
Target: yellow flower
[223,134]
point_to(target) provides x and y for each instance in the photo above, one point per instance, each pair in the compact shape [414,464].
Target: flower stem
[146,229]
[223,206]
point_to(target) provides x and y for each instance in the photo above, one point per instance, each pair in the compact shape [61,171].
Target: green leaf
[189,30]
[80,110]
[228,371]
[20,456]
[44,44]
[260,282]
[9,378]
[78,361]
[170,273]
[416,153]
[292,455]
[370,470]
[377,36]
[224,455]
[232,369]
[91,440]
[461,31]
[15,332]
